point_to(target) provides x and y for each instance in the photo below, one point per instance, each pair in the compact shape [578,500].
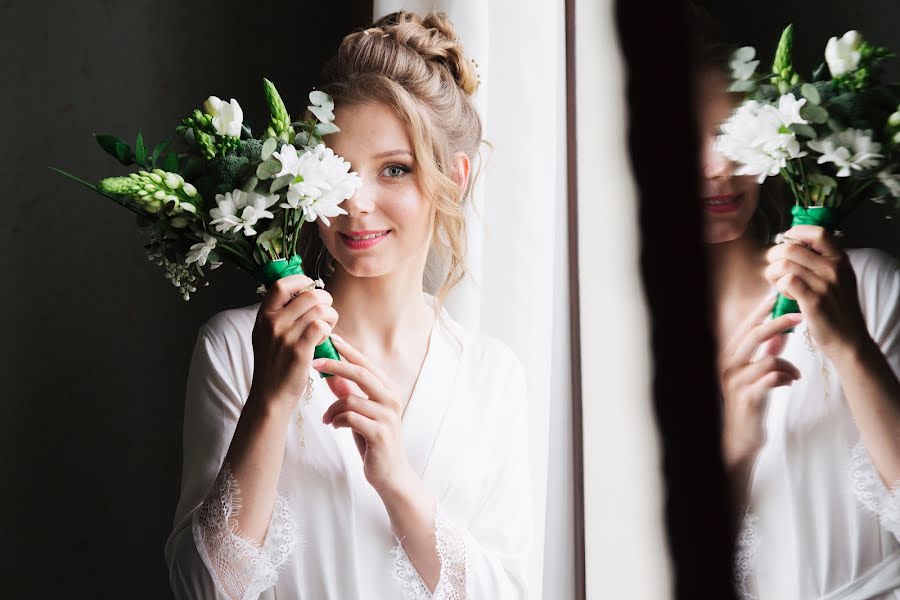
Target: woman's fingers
[282,291]
[304,302]
[782,268]
[793,286]
[368,428]
[354,356]
[358,404]
[761,333]
[370,385]
[817,238]
[803,256]
[746,382]
[753,319]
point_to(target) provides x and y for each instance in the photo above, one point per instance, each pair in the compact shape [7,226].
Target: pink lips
[724,203]
[360,240]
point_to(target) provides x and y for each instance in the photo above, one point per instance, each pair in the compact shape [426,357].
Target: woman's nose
[715,165]
[363,201]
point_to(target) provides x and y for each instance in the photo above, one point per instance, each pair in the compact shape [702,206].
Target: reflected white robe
[465,433]
[820,518]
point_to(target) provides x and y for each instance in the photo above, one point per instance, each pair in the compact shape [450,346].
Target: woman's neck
[738,278]
[380,313]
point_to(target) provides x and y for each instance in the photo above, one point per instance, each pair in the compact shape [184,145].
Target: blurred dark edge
[663,148]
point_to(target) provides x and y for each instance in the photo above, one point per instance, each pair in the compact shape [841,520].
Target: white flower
[325,183]
[227,117]
[290,161]
[742,64]
[759,138]
[891,181]
[241,210]
[842,55]
[199,252]
[851,149]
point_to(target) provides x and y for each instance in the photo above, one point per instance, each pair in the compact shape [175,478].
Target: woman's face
[389,222]
[729,201]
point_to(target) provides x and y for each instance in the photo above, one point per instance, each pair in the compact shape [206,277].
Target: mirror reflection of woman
[408,477]
[811,420]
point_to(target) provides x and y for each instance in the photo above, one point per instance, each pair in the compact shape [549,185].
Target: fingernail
[796,317]
[318,363]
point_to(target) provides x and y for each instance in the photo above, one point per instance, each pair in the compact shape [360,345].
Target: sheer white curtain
[518,289]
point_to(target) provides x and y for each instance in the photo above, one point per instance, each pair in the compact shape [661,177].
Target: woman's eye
[395,171]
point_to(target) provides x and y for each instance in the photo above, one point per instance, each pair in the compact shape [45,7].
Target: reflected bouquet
[230,197]
[834,139]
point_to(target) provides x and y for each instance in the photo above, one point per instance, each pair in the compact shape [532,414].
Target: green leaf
[158,151]
[328,128]
[170,162]
[804,130]
[320,98]
[250,184]
[281,183]
[140,151]
[268,147]
[814,113]
[268,168]
[835,125]
[116,147]
[108,143]
[810,92]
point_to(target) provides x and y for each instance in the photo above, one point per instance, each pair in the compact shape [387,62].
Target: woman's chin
[720,233]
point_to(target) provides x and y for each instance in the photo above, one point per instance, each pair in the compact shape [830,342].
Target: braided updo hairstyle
[416,66]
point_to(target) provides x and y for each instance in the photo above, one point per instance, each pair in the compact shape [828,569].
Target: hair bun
[434,39]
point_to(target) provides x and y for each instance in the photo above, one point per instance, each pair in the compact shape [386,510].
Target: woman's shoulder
[231,325]
[482,351]
[878,284]
[872,262]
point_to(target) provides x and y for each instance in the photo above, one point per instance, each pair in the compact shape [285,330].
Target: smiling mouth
[359,240]
[722,204]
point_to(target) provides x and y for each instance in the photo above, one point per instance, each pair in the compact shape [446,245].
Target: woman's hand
[367,404]
[749,367]
[819,276]
[293,319]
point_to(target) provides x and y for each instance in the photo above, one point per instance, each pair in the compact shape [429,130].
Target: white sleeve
[487,558]
[206,555]
[879,286]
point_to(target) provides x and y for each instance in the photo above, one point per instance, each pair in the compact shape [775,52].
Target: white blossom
[323,181]
[227,117]
[199,252]
[239,210]
[842,55]
[759,138]
[849,150]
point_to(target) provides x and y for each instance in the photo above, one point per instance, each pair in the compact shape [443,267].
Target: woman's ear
[461,168]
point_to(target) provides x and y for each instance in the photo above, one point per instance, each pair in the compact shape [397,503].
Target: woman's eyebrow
[392,153]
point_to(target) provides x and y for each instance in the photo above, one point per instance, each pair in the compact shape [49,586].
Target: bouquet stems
[821,216]
[271,272]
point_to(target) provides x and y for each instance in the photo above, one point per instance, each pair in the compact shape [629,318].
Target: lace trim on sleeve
[240,567]
[871,491]
[746,547]
[450,543]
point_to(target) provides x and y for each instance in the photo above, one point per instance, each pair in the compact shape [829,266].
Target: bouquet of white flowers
[835,141]
[264,190]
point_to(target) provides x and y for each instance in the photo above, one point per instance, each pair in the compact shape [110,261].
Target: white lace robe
[465,433]
[820,518]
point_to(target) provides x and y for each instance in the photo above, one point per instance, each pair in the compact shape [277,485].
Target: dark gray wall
[759,23]
[96,342]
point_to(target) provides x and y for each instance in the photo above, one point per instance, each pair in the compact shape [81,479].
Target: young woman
[408,476]
[811,432]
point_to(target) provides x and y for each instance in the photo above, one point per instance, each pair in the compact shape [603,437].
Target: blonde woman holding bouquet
[811,419]
[403,474]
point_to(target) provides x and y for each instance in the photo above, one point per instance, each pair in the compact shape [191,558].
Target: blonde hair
[416,66]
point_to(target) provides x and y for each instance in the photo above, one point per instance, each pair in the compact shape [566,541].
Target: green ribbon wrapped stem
[821,216]
[271,272]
